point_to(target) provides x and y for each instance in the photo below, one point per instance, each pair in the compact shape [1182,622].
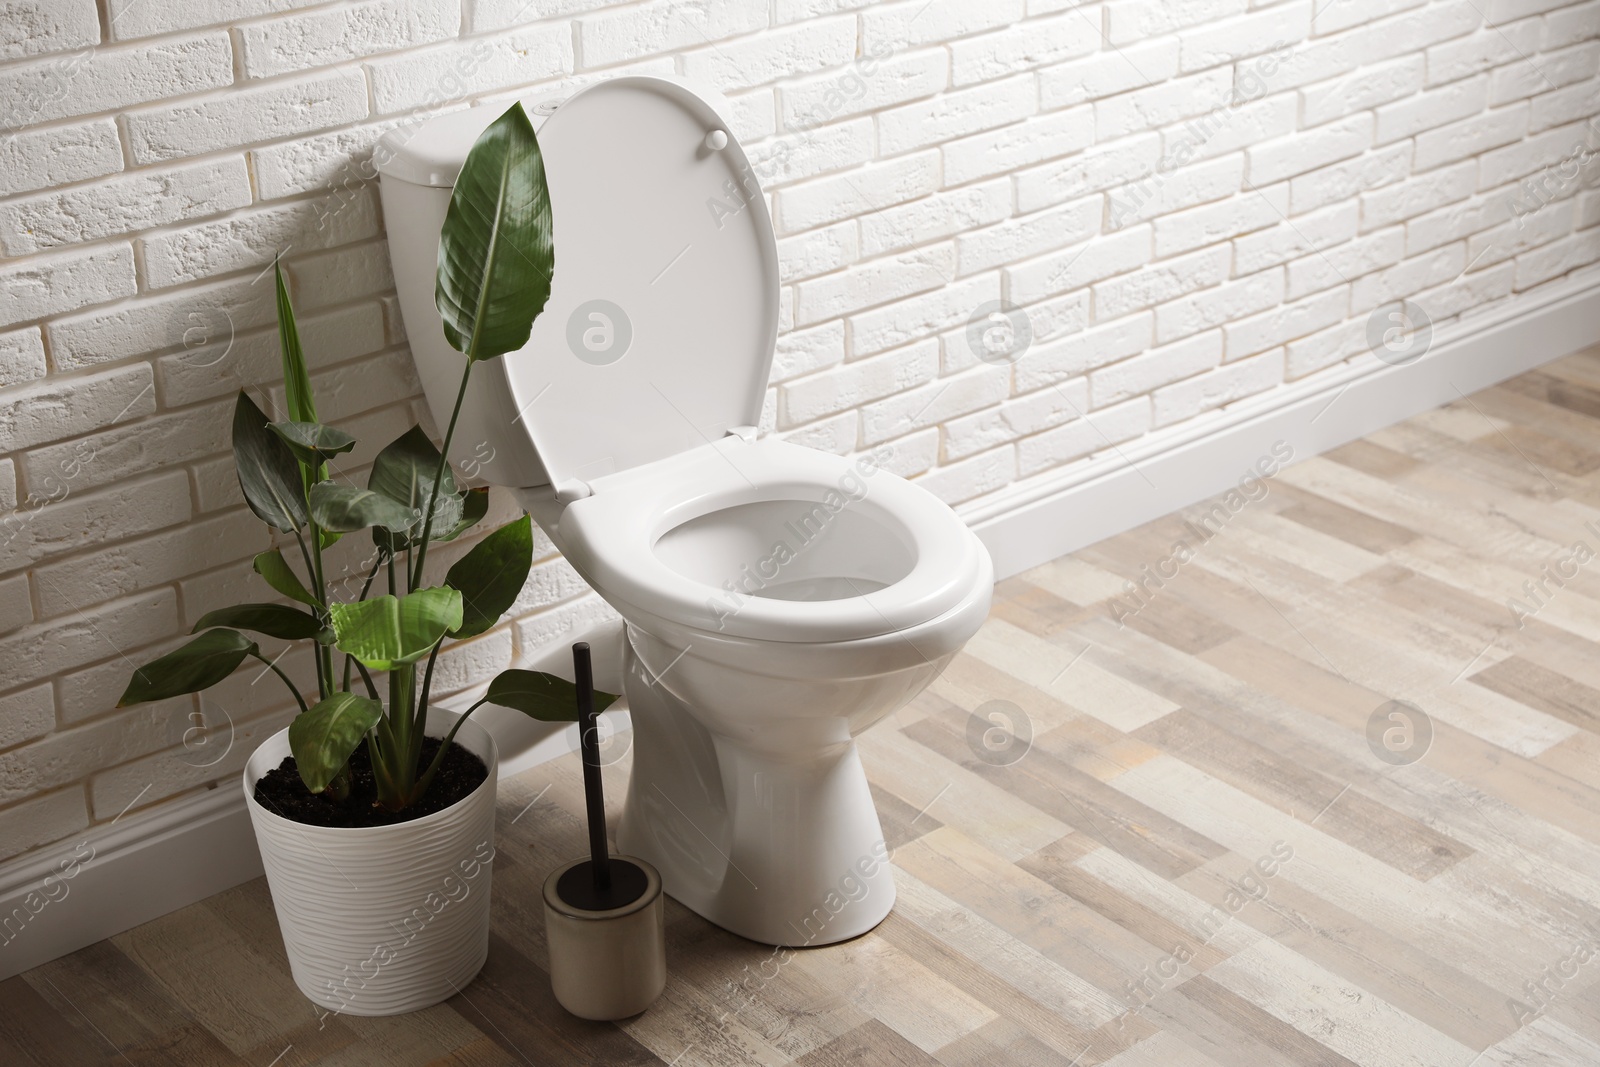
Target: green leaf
[296,381]
[268,472]
[348,507]
[496,250]
[312,442]
[404,472]
[474,506]
[275,569]
[491,575]
[200,664]
[274,620]
[543,696]
[323,737]
[386,632]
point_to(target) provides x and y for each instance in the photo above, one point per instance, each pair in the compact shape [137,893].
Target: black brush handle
[593,788]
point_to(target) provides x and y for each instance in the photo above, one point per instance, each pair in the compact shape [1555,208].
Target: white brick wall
[1192,201]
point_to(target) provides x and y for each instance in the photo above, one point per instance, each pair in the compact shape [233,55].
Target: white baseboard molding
[149,864]
[1040,520]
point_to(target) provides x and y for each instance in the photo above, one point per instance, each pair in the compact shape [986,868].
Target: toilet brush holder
[604,919]
[606,963]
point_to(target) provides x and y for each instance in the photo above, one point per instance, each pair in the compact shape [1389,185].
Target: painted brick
[1342,181]
[252,238]
[956,114]
[1289,240]
[1229,383]
[782,53]
[857,192]
[940,215]
[854,384]
[819,251]
[37,27]
[1167,192]
[1347,262]
[1330,18]
[803,351]
[837,434]
[1408,276]
[918,22]
[1212,307]
[21,356]
[201,317]
[8,485]
[141,18]
[127,452]
[1160,282]
[1424,111]
[1027,46]
[1247,35]
[1484,50]
[617,36]
[1227,128]
[44,650]
[874,282]
[56,155]
[66,281]
[1145,373]
[1564,105]
[1309,149]
[1014,418]
[803,154]
[973,477]
[1287,322]
[446,73]
[349,31]
[16,610]
[341,274]
[1469,137]
[1098,168]
[919,316]
[1162,105]
[498,14]
[246,115]
[1021,145]
[868,85]
[1367,88]
[1080,265]
[1031,235]
[1097,431]
[337,159]
[1201,226]
[933,403]
[1400,201]
[1107,73]
[1140,20]
[1547,149]
[1079,353]
[120,205]
[26,714]
[1555,260]
[83,82]
[42,820]
[65,520]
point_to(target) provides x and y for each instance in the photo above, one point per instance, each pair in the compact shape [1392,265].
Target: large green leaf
[491,576]
[404,472]
[200,664]
[275,570]
[388,632]
[348,507]
[323,737]
[474,506]
[296,380]
[268,472]
[274,620]
[312,442]
[496,251]
[543,696]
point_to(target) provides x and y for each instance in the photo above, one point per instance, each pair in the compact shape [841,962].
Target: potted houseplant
[373,810]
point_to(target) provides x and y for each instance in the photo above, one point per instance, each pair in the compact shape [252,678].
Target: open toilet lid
[659,332]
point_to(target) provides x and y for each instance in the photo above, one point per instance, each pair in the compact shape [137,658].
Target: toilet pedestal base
[781,848]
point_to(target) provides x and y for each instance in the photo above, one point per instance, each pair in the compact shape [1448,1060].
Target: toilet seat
[615,539]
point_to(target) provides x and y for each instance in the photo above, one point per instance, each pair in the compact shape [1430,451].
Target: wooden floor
[1189,828]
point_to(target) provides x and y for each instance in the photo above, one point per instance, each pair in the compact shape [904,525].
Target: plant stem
[312,574]
[348,658]
[444,746]
[438,475]
[420,723]
[297,697]
[324,652]
[372,689]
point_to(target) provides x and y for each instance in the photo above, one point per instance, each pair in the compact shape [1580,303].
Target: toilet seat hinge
[743,433]
[570,489]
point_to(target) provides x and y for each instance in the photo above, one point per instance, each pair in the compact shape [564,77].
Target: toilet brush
[605,921]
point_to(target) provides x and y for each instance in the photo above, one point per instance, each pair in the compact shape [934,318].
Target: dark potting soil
[282,792]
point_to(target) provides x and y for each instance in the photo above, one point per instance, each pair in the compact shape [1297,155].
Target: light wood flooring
[1206,854]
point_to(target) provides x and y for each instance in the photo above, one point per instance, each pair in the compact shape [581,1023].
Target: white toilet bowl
[779,600]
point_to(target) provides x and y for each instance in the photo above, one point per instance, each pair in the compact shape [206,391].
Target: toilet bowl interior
[790,549]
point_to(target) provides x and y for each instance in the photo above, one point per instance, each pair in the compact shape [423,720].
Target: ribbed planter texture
[382,920]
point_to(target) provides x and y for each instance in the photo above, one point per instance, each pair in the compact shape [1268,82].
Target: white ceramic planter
[385,919]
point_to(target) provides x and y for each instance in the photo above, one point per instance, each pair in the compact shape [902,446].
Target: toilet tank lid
[431,152]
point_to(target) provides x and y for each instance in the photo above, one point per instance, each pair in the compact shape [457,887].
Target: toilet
[778,600]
